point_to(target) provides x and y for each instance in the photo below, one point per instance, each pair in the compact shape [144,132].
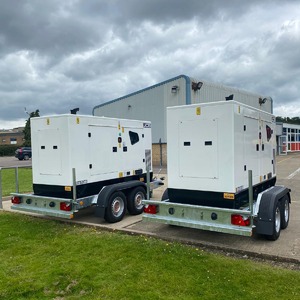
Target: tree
[294,120]
[26,131]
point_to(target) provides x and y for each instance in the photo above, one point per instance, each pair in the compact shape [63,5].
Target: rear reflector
[65,206]
[240,220]
[15,200]
[151,209]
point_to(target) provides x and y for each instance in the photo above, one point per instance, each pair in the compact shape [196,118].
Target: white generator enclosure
[102,150]
[211,147]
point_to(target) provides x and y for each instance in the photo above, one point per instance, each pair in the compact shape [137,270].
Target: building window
[13,141]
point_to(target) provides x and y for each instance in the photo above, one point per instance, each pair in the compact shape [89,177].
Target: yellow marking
[228,196]
[123,129]
[278,162]
[68,188]
[142,179]
[48,121]
[119,145]
[81,202]
[119,126]
[77,120]
[198,111]
[239,109]
[120,174]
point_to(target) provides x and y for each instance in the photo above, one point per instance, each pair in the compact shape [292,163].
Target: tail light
[15,200]
[65,206]
[151,209]
[240,220]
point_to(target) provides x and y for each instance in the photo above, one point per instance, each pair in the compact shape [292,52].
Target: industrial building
[288,137]
[150,104]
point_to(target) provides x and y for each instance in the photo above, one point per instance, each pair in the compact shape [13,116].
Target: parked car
[23,153]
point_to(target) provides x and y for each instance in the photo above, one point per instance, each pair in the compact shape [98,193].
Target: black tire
[20,158]
[26,157]
[116,207]
[165,195]
[276,223]
[135,198]
[285,211]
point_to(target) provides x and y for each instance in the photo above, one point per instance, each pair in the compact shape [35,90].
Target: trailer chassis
[266,216]
[67,208]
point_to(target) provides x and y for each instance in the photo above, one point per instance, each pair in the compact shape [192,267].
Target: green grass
[47,259]
[9,181]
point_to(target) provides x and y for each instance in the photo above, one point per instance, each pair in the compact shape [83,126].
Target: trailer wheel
[26,157]
[276,223]
[285,212]
[135,198]
[115,209]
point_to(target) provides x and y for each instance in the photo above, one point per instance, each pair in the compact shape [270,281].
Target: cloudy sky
[60,54]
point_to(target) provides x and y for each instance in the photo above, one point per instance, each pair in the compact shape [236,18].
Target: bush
[8,150]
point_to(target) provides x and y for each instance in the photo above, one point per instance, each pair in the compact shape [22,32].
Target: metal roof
[188,90]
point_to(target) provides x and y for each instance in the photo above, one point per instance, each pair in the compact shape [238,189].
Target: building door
[282,145]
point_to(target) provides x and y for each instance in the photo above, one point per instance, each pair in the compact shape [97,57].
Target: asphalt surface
[11,161]
[286,248]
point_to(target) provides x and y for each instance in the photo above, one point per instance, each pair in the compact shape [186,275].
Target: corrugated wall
[211,92]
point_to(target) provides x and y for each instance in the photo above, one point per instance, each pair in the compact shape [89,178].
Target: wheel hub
[117,206]
[286,211]
[277,219]
[138,200]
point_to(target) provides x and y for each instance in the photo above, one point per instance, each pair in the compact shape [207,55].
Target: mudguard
[266,213]
[107,191]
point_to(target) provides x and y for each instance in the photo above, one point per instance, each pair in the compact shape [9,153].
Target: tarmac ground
[285,249]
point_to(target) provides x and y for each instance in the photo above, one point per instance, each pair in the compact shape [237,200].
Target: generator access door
[103,147]
[198,148]
[49,159]
[252,146]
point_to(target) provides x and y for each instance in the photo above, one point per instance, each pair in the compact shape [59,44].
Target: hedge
[8,150]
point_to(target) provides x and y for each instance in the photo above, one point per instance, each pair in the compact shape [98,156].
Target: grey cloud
[51,28]
[56,55]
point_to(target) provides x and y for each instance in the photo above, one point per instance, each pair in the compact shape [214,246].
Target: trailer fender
[267,206]
[105,193]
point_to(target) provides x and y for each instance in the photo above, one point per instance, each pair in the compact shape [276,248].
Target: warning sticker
[228,196]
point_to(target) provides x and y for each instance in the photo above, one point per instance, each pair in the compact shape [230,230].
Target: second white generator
[213,146]
[221,172]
